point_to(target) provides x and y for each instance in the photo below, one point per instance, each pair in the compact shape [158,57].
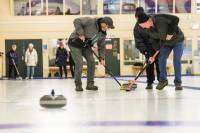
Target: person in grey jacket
[85,29]
[164,28]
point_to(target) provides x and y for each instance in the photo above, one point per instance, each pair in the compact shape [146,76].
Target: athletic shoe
[92,87]
[178,86]
[149,86]
[162,84]
[79,88]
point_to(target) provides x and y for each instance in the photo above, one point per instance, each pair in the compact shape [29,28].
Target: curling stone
[53,101]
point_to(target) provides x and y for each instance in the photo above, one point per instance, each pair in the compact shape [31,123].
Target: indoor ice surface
[108,110]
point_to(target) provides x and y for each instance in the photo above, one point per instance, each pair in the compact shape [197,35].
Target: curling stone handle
[52,92]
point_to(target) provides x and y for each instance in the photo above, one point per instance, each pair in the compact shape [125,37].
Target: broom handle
[15,67]
[157,52]
[107,69]
[146,64]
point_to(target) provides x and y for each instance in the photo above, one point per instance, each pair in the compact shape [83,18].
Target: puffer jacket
[61,56]
[31,58]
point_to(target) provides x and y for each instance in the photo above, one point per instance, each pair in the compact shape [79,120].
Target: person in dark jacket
[165,28]
[143,44]
[61,59]
[12,59]
[85,29]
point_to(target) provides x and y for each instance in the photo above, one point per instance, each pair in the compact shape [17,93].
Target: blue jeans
[30,71]
[164,53]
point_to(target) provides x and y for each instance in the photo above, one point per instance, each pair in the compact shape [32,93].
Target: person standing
[31,60]
[61,59]
[13,60]
[143,44]
[85,29]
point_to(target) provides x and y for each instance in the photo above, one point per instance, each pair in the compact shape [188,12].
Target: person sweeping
[85,29]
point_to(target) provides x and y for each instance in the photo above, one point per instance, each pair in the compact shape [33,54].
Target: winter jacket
[31,58]
[142,41]
[61,57]
[88,27]
[165,24]
[12,55]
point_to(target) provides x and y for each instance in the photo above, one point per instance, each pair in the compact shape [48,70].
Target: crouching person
[165,28]
[144,45]
[86,28]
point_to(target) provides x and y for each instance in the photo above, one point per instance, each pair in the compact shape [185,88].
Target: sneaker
[149,86]
[92,87]
[31,77]
[178,86]
[27,78]
[79,88]
[162,84]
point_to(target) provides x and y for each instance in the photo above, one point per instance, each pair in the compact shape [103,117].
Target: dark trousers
[150,71]
[72,67]
[77,55]
[11,69]
[61,71]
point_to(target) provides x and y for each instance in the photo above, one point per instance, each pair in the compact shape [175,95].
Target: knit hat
[142,18]
[138,11]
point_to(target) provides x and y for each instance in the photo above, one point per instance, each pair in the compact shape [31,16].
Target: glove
[87,43]
[147,54]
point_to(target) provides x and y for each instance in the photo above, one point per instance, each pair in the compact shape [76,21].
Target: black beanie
[142,18]
[138,11]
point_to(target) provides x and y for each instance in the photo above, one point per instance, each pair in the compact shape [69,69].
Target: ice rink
[107,110]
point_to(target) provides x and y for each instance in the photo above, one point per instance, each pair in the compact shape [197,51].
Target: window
[89,7]
[165,6]
[38,7]
[72,7]
[111,6]
[198,46]
[198,6]
[187,46]
[183,6]
[130,52]
[21,7]
[55,7]
[148,5]
[129,6]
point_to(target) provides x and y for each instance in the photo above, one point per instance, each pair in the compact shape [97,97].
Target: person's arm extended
[101,47]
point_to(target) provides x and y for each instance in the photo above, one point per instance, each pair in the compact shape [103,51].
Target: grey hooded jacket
[88,27]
